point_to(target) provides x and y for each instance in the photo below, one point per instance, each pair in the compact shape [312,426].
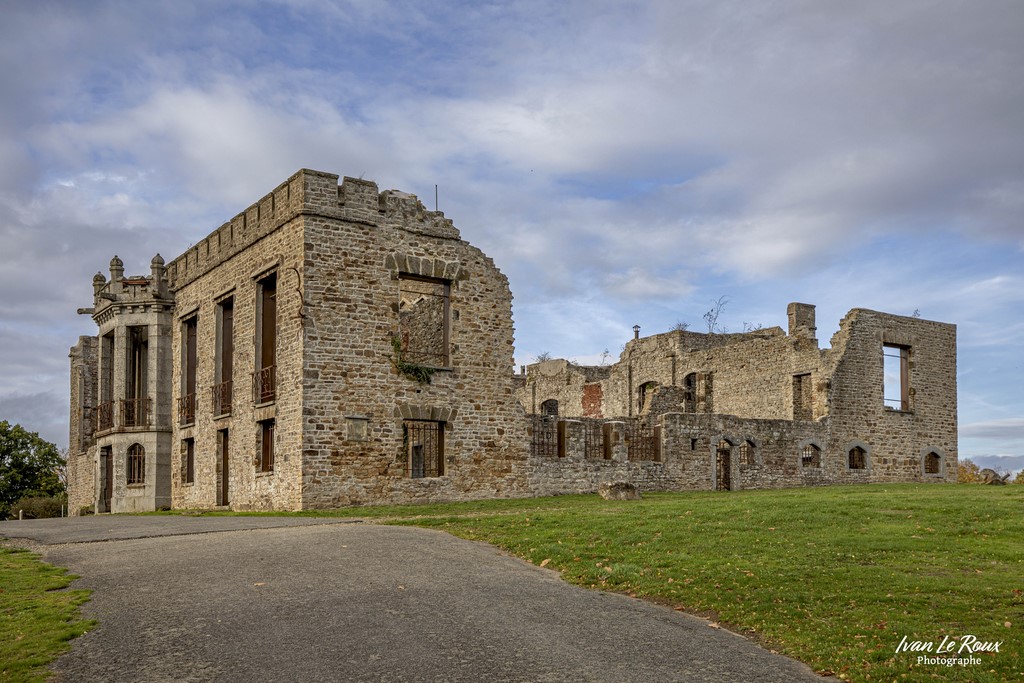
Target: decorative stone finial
[98,278]
[158,260]
[116,263]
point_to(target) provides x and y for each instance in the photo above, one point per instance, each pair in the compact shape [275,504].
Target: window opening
[135,404]
[932,463]
[136,464]
[896,390]
[723,466]
[423,320]
[190,460]
[267,446]
[690,393]
[644,394]
[425,448]
[189,356]
[748,453]
[802,398]
[264,380]
[858,458]
[811,456]
[549,408]
[225,351]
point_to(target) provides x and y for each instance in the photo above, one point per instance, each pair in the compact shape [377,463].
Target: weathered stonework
[336,345]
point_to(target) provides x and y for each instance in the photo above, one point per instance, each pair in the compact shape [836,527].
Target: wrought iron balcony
[187,409]
[264,386]
[221,398]
[135,412]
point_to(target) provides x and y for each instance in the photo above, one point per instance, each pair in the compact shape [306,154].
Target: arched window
[932,463]
[549,408]
[644,395]
[810,456]
[136,464]
[748,453]
[858,458]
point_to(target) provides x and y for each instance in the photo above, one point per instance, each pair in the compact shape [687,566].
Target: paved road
[292,599]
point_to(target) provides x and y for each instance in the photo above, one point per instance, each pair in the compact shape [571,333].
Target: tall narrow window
[136,469]
[266,438]
[690,393]
[423,320]
[748,452]
[105,407]
[424,443]
[264,380]
[189,358]
[223,470]
[188,448]
[644,394]
[897,377]
[225,354]
[802,397]
[135,405]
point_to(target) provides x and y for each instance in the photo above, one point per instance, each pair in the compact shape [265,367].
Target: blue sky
[623,162]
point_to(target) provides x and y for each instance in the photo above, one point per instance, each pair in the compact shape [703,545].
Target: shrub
[38,507]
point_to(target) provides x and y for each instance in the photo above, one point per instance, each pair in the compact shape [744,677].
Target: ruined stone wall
[236,276]
[896,440]
[81,442]
[578,389]
[357,248]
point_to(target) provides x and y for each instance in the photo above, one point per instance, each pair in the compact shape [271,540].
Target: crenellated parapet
[309,193]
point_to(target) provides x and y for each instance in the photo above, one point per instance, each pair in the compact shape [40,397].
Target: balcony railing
[135,412]
[263,385]
[221,398]
[187,409]
[105,416]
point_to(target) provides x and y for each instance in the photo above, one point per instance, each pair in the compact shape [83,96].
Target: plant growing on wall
[415,371]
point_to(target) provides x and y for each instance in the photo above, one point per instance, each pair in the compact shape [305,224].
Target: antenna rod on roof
[435,196]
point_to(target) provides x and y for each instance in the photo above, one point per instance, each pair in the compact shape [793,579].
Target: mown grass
[834,576]
[37,618]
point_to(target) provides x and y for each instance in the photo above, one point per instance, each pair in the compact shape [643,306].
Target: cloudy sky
[624,163]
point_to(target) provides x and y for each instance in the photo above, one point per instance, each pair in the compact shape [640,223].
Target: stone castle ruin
[336,345]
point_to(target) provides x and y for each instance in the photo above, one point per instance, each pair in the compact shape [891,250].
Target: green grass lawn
[835,577]
[37,619]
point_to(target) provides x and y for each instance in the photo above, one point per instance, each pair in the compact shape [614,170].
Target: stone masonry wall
[81,443]
[355,399]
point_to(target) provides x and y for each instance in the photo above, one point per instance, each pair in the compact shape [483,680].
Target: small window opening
[932,463]
[549,408]
[748,453]
[424,442]
[803,408]
[189,452]
[136,464]
[858,458]
[266,446]
[811,456]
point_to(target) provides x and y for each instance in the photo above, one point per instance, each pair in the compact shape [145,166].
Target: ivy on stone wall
[415,371]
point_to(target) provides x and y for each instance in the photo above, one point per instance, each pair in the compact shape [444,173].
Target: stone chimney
[801,321]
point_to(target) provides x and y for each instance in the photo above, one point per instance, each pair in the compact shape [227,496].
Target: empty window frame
[810,456]
[136,465]
[857,458]
[188,453]
[932,463]
[803,408]
[189,359]
[266,446]
[224,357]
[423,320]
[264,379]
[424,444]
[690,393]
[549,408]
[748,453]
[644,394]
[896,390]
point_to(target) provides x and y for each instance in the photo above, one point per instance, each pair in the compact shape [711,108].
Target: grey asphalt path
[302,599]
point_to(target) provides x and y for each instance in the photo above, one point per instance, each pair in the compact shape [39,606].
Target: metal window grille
[642,442]
[135,412]
[593,440]
[811,456]
[187,409]
[104,416]
[931,463]
[264,385]
[425,448]
[136,464]
[267,446]
[221,394]
[544,442]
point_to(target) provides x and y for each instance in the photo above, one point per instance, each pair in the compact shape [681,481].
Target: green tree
[968,472]
[29,466]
